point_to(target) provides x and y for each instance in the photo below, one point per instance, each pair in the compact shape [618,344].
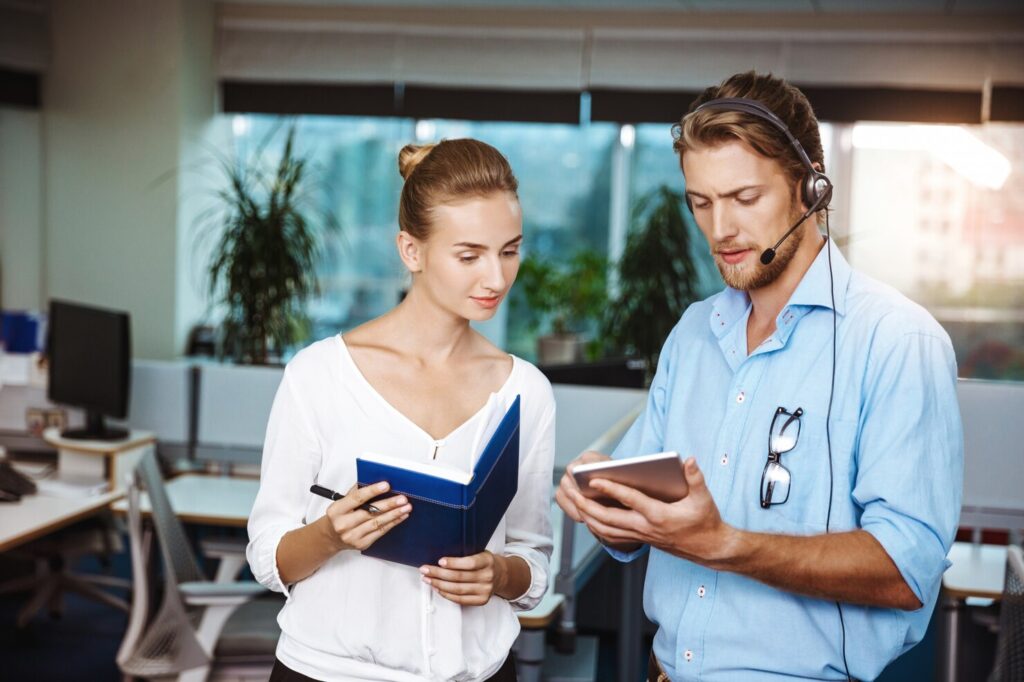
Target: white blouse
[360,618]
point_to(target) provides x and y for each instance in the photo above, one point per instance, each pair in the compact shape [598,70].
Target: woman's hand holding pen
[356,528]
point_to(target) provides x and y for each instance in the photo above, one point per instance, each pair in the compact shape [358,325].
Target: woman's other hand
[471,580]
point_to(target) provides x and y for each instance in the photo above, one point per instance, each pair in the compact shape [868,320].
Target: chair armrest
[221,547]
[220,594]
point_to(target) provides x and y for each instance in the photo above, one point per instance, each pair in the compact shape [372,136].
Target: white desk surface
[977,571]
[226,501]
[211,500]
[37,515]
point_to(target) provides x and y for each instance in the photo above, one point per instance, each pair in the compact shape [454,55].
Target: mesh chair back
[174,546]
[167,644]
[1009,665]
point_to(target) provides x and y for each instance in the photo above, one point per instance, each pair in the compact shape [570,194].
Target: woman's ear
[410,250]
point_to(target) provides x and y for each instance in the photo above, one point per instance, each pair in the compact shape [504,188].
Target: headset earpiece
[816,189]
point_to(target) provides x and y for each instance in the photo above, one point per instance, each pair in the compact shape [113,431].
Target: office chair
[1009,666]
[202,627]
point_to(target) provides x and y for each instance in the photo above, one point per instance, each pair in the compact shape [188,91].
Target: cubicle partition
[993,421]
[233,407]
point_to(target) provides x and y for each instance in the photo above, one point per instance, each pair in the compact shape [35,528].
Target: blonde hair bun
[411,156]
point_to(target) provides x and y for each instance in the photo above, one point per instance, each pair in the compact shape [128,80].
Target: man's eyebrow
[727,194]
[473,245]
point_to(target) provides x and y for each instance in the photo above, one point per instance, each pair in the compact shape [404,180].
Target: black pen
[325,492]
[331,495]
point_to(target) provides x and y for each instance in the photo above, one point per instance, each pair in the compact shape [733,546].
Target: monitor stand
[95,429]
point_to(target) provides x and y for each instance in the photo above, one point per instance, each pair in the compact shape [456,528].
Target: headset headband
[755,108]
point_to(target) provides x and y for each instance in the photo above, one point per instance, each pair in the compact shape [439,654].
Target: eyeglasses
[776,479]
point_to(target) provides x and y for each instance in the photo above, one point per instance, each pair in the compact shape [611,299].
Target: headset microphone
[768,255]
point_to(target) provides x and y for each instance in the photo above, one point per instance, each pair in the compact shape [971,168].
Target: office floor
[81,645]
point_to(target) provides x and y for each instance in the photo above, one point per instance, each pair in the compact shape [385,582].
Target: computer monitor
[89,352]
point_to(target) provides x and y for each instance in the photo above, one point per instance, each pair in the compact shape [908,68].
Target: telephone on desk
[13,483]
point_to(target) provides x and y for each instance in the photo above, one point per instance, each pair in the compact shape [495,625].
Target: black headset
[816,188]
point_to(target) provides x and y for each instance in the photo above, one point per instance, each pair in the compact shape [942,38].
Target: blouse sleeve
[291,460]
[528,521]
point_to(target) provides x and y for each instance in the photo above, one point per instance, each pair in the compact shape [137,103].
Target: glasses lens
[774,484]
[785,431]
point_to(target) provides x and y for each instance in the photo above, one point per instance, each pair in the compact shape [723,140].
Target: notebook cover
[449,518]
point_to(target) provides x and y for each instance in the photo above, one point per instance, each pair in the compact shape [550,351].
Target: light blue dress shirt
[897,471]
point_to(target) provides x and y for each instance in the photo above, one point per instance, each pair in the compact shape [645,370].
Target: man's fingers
[567,506]
[694,476]
[632,498]
[611,533]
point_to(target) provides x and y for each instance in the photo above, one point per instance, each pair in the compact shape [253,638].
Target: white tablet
[659,476]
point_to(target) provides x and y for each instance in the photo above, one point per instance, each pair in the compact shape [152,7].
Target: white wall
[128,89]
[21,203]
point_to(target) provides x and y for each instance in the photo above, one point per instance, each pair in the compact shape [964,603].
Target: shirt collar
[815,289]
[731,304]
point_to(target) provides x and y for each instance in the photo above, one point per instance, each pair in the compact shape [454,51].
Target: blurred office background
[117,118]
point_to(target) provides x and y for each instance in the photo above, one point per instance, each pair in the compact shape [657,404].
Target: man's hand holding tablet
[659,476]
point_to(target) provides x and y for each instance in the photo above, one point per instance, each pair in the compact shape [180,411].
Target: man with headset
[816,409]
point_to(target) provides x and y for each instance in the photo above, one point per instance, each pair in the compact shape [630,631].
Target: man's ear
[410,250]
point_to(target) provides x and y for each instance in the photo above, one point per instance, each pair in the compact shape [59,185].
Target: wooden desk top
[135,439]
[977,571]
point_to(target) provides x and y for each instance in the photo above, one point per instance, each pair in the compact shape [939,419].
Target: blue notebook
[454,513]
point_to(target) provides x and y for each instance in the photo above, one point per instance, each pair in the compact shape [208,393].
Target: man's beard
[749,276]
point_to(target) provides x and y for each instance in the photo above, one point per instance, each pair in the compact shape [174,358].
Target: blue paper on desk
[454,513]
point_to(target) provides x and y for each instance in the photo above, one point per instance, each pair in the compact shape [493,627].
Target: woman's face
[471,257]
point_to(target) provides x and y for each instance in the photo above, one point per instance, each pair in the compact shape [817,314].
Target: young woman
[412,383]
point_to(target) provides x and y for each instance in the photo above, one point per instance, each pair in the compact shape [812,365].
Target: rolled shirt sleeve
[910,463]
[528,520]
[291,460]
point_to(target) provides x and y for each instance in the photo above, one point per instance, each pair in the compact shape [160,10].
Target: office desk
[37,515]
[977,571]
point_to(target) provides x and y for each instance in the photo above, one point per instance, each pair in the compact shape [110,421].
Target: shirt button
[688,655]
[725,459]
[740,397]
[701,592]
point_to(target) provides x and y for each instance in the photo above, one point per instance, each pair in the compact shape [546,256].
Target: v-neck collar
[347,356]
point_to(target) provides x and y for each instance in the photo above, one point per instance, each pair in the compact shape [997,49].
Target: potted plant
[657,277]
[562,296]
[264,265]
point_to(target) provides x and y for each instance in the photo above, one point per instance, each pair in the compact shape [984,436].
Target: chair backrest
[1010,647]
[180,563]
[166,644]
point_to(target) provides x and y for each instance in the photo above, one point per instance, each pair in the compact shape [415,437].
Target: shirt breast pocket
[812,477]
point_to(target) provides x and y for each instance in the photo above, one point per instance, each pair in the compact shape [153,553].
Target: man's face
[743,203]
